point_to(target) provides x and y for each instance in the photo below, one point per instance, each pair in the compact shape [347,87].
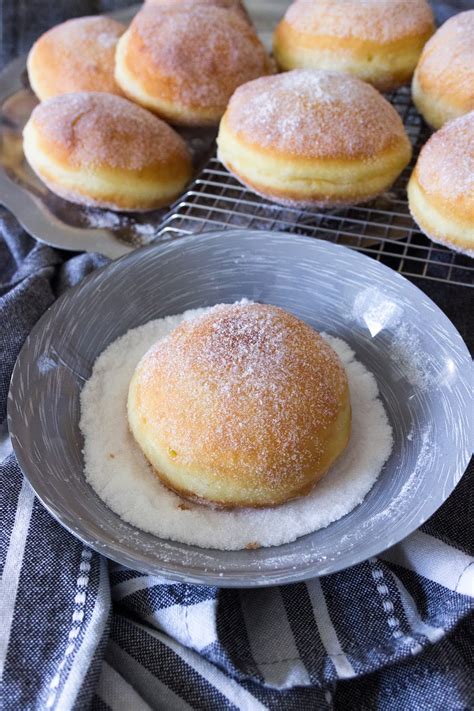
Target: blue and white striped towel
[78,632]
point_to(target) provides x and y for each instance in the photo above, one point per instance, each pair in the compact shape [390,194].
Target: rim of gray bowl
[204,575]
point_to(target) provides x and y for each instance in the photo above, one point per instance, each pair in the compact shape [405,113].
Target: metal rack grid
[382,228]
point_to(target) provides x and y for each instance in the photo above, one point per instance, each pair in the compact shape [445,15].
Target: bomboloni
[246,406]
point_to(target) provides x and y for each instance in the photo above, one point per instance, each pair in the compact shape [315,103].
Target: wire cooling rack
[382,228]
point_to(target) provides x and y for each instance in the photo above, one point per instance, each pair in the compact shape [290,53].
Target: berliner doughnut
[313,138]
[102,150]
[78,55]
[184,63]
[379,41]
[441,188]
[244,406]
[443,84]
[235,5]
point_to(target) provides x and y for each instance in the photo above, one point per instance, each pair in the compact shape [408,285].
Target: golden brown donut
[441,188]
[101,150]
[313,138]
[243,406]
[379,41]
[443,84]
[184,63]
[236,5]
[78,55]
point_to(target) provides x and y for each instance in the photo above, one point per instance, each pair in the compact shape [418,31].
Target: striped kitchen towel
[78,632]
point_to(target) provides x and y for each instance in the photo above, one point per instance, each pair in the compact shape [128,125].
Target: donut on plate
[244,406]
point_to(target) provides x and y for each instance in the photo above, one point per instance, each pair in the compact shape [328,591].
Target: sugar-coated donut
[244,406]
[379,41]
[441,188]
[78,55]
[443,83]
[101,150]
[313,137]
[185,62]
[235,5]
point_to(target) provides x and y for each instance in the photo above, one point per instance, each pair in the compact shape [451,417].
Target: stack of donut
[100,137]
[319,134]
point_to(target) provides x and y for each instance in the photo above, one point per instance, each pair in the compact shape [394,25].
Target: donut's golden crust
[441,188]
[101,150]
[311,137]
[185,63]
[443,84]
[379,41]
[78,55]
[244,406]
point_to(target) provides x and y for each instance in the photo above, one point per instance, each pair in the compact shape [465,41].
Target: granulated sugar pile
[118,471]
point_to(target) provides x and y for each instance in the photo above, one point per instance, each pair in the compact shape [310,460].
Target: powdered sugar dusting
[144,232]
[235,5]
[106,40]
[98,129]
[315,113]
[202,53]
[78,55]
[446,163]
[247,358]
[374,20]
[117,470]
[446,66]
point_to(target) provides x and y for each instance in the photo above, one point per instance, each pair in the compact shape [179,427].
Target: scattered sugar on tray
[103,219]
[108,220]
[127,484]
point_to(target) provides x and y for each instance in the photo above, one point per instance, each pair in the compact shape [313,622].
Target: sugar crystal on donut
[245,406]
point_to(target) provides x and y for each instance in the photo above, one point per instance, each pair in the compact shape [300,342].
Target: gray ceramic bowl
[419,359]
